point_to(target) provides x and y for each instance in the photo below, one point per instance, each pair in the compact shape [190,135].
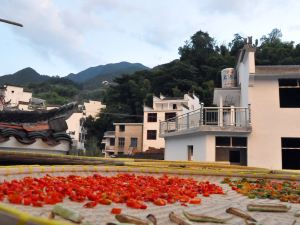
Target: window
[231,149]
[133,142]
[121,142]
[121,128]
[152,117]
[112,142]
[170,116]
[151,134]
[290,148]
[174,106]
[289,93]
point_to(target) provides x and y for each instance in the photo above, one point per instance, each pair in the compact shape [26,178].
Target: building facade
[164,108]
[126,139]
[75,123]
[256,121]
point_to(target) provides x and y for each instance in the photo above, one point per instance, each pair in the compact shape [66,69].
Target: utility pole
[11,22]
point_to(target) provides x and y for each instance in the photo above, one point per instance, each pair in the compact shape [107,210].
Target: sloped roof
[19,116]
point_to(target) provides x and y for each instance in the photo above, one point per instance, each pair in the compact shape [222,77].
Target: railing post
[220,111]
[188,120]
[249,112]
[201,113]
[232,116]
[176,124]
[167,126]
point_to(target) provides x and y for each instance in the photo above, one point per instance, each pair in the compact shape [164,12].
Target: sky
[66,36]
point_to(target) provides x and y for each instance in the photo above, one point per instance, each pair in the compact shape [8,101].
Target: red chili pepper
[90,205]
[116,211]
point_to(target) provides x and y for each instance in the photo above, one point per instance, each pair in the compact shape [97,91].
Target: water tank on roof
[228,78]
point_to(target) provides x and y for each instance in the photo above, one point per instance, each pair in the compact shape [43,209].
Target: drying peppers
[261,188]
[134,191]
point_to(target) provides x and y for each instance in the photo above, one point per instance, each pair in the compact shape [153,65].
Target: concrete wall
[203,147]
[269,124]
[16,94]
[159,142]
[131,131]
[92,108]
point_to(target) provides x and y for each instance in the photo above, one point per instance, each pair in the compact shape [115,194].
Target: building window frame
[133,142]
[289,93]
[151,134]
[121,142]
[290,153]
[121,128]
[152,117]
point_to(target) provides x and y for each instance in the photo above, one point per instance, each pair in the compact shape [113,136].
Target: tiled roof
[27,137]
[19,116]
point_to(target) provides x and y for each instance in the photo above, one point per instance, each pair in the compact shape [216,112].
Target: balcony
[209,119]
[109,134]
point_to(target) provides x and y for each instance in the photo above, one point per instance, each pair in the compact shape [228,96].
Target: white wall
[38,147]
[203,147]
[73,123]
[269,124]
[16,94]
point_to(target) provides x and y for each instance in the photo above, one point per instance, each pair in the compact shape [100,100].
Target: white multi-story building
[164,108]
[256,121]
[75,123]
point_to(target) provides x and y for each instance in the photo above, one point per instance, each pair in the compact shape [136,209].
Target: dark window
[152,117]
[239,141]
[112,142]
[121,128]
[290,153]
[12,91]
[170,116]
[133,142]
[231,141]
[121,142]
[222,141]
[151,134]
[289,93]
[174,106]
[234,156]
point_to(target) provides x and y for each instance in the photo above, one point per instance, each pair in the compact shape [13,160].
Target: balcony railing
[208,117]
[109,134]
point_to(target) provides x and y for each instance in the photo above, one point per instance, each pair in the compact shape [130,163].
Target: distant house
[256,121]
[126,139]
[75,123]
[164,108]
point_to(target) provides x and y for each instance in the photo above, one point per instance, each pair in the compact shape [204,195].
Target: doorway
[190,152]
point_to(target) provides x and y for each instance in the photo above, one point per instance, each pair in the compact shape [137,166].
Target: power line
[11,22]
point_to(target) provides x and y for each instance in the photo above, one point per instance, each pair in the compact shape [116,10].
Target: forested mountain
[105,72]
[23,77]
[60,90]
[197,70]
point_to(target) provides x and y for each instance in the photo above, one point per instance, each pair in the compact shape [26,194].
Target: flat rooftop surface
[215,205]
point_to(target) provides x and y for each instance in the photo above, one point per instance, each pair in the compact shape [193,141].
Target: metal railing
[208,116]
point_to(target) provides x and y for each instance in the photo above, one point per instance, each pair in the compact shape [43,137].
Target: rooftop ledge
[209,129]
